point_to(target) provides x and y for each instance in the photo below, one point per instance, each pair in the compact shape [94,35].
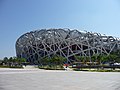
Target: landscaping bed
[10,66]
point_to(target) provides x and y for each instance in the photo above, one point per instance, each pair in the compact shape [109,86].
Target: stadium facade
[37,44]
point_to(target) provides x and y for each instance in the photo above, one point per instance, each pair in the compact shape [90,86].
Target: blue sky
[20,16]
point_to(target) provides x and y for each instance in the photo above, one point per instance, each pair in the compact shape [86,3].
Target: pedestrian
[65,67]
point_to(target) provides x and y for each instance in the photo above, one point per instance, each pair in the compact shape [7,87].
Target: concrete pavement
[36,79]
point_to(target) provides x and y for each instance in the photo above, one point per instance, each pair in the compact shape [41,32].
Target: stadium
[35,45]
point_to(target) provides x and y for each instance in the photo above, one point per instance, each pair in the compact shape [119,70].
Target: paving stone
[36,79]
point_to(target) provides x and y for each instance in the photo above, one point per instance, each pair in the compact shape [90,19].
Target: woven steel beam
[37,44]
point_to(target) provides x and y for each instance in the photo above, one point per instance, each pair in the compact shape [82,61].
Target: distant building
[37,44]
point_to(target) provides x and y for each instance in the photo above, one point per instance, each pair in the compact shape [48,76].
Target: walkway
[30,67]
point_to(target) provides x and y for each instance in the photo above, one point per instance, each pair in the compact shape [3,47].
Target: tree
[93,58]
[53,61]
[116,56]
[112,57]
[80,58]
[87,59]
[104,58]
[5,60]
[57,60]
[22,60]
[10,61]
[45,60]
[99,59]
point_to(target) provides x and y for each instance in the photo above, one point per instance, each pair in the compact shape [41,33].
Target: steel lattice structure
[37,44]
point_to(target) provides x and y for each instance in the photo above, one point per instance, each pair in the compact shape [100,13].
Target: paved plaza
[36,79]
